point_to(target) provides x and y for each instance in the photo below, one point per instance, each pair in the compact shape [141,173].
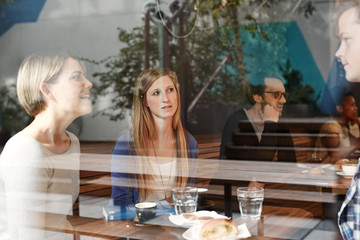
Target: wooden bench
[209,146]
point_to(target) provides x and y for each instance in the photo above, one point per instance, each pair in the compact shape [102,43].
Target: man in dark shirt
[256,133]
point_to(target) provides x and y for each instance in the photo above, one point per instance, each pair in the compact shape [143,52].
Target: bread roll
[316,171]
[338,164]
[218,228]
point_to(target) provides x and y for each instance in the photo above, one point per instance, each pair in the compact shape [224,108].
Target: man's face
[273,85]
[349,50]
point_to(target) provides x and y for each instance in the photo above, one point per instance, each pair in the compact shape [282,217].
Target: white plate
[345,175]
[202,190]
[181,221]
[302,165]
[317,171]
[194,232]
[315,165]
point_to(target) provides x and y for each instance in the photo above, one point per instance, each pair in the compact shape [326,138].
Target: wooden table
[231,172]
[276,222]
[270,226]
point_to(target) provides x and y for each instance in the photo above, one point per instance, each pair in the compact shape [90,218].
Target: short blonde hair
[342,7]
[34,71]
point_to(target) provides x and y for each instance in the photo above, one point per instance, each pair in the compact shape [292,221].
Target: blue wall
[18,12]
[265,55]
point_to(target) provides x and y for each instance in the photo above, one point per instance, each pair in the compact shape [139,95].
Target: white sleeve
[25,179]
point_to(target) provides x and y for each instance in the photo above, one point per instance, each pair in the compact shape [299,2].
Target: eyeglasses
[278,95]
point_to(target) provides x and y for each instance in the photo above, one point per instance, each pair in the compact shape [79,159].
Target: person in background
[253,134]
[349,55]
[39,166]
[339,138]
[161,148]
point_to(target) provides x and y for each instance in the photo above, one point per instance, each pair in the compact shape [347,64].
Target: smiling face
[349,50]
[70,92]
[161,98]
[274,85]
[349,109]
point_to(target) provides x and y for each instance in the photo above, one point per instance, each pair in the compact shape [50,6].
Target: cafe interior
[220,50]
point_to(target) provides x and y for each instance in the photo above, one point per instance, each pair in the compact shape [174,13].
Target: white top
[333,126]
[352,130]
[258,129]
[164,180]
[35,185]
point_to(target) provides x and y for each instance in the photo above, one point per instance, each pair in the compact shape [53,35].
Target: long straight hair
[144,131]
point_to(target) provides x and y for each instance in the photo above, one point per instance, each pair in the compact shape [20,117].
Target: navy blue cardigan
[123,193]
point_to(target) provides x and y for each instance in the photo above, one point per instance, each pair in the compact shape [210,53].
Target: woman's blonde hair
[33,72]
[342,7]
[144,130]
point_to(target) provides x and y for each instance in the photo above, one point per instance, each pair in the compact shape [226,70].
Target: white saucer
[345,175]
[314,171]
[202,190]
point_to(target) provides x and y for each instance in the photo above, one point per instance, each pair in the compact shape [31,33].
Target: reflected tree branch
[196,99]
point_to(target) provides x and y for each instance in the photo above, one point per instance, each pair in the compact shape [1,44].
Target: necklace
[161,177]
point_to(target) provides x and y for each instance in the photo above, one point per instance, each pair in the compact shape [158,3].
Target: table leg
[261,226]
[76,236]
[228,198]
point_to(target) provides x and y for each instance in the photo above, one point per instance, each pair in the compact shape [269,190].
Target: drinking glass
[185,199]
[250,202]
[315,157]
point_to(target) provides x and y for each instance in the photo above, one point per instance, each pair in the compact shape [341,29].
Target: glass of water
[250,202]
[185,199]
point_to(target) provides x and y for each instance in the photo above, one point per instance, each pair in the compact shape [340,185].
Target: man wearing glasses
[255,133]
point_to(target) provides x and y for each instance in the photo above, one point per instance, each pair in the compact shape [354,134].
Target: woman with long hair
[39,166]
[163,152]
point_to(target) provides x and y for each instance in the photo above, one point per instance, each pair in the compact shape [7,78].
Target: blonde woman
[39,177]
[162,149]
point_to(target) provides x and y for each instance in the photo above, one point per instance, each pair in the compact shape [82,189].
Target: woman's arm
[192,145]
[193,155]
[122,182]
[25,180]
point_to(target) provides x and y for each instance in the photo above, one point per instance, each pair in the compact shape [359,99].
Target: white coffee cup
[349,169]
[145,211]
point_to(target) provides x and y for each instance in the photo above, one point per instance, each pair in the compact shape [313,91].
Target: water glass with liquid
[250,202]
[185,199]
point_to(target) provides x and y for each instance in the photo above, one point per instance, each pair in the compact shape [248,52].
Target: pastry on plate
[338,164]
[218,228]
[315,171]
